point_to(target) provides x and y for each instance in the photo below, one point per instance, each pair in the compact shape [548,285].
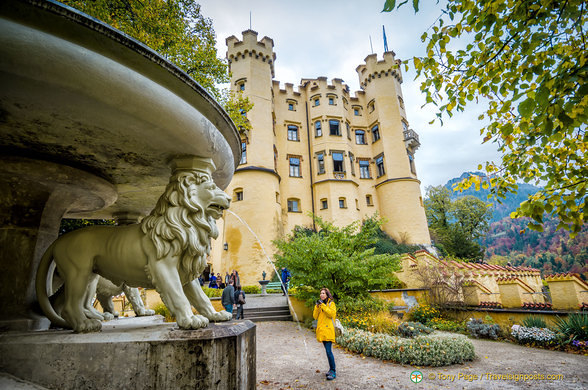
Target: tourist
[220,282]
[228,278]
[228,297]
[285,280]
[325,312]
[212,282]
[239,301]
[236,278]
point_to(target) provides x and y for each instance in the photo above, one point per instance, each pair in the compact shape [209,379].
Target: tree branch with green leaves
[528,60]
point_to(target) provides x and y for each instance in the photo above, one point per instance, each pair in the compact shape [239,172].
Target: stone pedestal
[135,353]
[264,284]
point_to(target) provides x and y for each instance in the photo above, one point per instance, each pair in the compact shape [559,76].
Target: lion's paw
[145,312]
[87,325]
[193,322]
[107,316]
[221,316]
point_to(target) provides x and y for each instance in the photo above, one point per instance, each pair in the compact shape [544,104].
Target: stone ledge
[135,353]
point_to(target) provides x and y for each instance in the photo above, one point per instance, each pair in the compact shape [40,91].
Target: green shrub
[252,289]
[480,330]
[446,325]
[423,313]
[212,292]
[162,310]
[432,350]
[534,322]
[413,329]
[575,326]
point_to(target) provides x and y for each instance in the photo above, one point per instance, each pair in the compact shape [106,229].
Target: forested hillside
[499,210]
[508,240]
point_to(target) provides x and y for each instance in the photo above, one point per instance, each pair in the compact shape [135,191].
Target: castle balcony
[411,140]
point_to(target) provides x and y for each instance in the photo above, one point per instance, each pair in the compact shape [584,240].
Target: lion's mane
[178,225]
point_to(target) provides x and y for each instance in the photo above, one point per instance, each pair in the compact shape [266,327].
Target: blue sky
[331,38]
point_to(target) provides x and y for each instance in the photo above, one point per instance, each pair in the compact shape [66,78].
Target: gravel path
[289,357]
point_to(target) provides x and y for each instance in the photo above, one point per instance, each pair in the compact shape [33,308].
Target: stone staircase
[258,314]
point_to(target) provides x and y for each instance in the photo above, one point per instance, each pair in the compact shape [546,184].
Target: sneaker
[331,376]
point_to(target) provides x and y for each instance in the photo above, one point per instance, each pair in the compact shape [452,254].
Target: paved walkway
[289,357]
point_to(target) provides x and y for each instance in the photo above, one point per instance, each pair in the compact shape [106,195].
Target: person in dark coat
[285,280]
[239,302]
[228,297]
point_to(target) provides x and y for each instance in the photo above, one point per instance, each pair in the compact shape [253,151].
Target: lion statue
[166,251]
[104,290]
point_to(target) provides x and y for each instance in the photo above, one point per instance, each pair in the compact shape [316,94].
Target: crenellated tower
[397,186]
[255,185]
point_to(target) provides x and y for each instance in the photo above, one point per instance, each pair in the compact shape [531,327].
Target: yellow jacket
[325,314]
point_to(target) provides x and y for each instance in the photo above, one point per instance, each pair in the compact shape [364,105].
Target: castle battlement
[251,47]
[372,69]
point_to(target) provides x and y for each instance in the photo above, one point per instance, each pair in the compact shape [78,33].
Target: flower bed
[432,350]
[539,336]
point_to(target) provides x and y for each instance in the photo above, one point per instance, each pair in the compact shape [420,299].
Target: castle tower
[255,185]
[397,186]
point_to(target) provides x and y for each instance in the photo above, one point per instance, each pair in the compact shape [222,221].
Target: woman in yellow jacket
[325,312]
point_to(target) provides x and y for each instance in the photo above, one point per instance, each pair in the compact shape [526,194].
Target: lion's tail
[41,288]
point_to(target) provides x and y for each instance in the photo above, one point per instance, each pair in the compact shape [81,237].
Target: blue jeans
[229,308]
[329,349]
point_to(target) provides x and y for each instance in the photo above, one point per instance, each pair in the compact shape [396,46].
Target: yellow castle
[318,149]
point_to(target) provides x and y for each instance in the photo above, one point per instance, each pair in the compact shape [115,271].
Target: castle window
[371,106]
[318,130]
[243,153]
[360,137]
[294,166]
[324,204]
[375,133]
[356,204]
[342,203]
[368,200]
[320,157]
[357,110]
[401,101]
[364,169]
[293,205]
[411,162]
[338,165]
[240,84]
[238,194]
[334,127]
[292,133]
[317,102]
[292,104]
[380,165]
[351,158]
[348,130]
[404,125]
[331,101]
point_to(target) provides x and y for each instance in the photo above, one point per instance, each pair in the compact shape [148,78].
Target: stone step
[257,314]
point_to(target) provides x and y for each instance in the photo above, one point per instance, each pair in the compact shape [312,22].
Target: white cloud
[331,38]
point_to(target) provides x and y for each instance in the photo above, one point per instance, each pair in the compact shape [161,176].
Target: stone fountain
[90,121]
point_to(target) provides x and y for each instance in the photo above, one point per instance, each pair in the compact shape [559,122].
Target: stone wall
[489,285]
